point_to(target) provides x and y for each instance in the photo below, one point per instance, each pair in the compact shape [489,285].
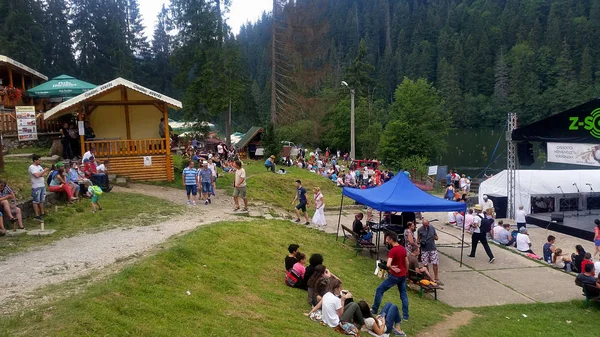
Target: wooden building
[125,118]
[15,75]
[250,145]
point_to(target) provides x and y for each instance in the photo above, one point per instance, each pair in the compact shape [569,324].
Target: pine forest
[418,67]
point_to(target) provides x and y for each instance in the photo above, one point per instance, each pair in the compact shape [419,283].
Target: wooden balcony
[107,148]
[8,124]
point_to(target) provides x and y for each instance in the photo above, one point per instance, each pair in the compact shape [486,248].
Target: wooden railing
[130,147]
[10,103]
[8,124]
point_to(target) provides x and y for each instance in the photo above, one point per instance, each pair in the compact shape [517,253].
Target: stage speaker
[558,217]
[525,153]
[500,205]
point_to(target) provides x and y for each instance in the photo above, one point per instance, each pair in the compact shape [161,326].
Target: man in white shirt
[523,242]
[497,230]
[220,150]
[520,217]
[452,218]
[89,154]
[481,226]
[38,187]
[488,205]
[102,167]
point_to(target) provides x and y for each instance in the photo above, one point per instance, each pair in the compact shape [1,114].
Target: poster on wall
[581,154]
[26,123]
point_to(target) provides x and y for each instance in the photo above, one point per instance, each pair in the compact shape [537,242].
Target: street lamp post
[352,143]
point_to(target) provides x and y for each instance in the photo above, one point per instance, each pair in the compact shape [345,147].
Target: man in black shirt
[587,277]
[290,260]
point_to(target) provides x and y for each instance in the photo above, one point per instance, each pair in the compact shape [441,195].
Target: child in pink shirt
[299,266]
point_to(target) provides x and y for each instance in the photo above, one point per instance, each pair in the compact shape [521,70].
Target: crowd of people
[75,181]
[335,307]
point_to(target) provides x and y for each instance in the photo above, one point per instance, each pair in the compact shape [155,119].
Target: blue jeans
[387,284]
[392,316]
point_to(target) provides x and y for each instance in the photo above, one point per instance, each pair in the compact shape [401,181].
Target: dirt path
[448,325]
[78,256]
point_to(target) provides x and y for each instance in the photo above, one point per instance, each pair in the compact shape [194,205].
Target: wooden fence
[129,147]
[8,124]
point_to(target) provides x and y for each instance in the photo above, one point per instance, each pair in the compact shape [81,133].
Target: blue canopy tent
[399,195]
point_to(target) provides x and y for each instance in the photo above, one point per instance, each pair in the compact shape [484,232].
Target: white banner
[26,123]
[581,154]
[432,171]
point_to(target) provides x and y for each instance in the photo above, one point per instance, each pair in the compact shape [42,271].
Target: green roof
[248,137]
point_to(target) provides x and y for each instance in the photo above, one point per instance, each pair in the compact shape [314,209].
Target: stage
[581,226]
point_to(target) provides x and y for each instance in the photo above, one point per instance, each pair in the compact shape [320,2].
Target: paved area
[511,279]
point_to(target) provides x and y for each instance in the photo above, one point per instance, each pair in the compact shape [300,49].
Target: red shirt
[584,263]
[398,256]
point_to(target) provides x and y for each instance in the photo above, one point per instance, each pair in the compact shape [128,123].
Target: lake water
[471,151]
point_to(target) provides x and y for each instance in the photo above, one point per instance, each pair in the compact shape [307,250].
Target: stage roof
[580,124]
[401,195]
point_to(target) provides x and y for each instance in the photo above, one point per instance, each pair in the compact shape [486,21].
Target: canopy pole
[339,218]
[462,244]
[378,239]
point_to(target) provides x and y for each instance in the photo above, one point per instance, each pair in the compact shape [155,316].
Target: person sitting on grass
[586,260]
[270,164]
[549,248]
[59,183]
[321,274]
[290,259]
[523,241]
[388,321]
[300,270]
[504,236]
[9,205]
[577,258]
[344,318]
[587,277]
[560,261]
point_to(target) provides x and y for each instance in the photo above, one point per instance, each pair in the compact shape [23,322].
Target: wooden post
[10,77]
[23,82]
[167,142]
[80,116]
[127,123]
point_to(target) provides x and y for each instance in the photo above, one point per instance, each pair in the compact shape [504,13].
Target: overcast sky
[241,11]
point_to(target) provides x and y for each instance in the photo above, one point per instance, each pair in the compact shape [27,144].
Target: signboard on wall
[570,153]
[26,123]
[432,170]
[147,161]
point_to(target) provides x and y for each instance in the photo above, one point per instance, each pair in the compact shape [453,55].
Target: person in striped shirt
[189,176]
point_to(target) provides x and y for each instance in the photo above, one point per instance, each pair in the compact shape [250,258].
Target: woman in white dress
[319,217]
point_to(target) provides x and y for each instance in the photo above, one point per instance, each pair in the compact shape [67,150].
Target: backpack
[486,225]
[292,277]
[96,190]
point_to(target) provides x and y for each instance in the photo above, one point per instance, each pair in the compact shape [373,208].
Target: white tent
[531,183]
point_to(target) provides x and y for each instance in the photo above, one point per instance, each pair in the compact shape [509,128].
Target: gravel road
[78,256]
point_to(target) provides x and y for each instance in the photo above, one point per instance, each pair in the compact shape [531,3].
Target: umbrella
[61,86]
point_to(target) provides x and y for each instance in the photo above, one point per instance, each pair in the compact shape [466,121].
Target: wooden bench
[359,245]
[592,293]
[416,280]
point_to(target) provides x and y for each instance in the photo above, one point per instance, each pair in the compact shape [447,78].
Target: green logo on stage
[590,123]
